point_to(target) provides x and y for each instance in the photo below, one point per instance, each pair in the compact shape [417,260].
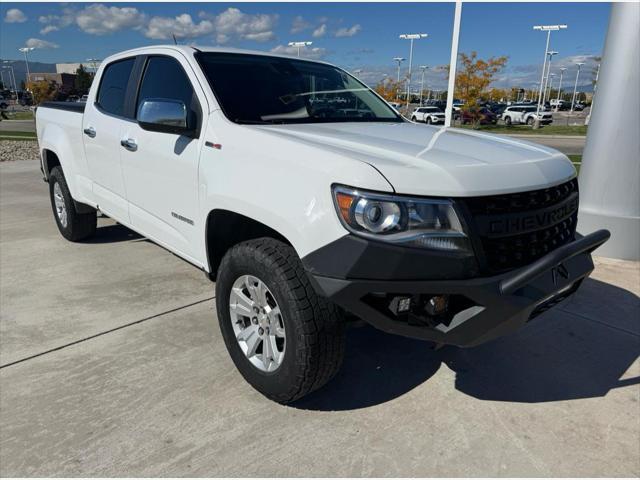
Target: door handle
[90,132]
[129,144]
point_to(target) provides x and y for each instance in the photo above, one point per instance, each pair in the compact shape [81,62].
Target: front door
[161,169]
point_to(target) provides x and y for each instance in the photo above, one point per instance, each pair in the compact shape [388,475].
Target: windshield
[259,89]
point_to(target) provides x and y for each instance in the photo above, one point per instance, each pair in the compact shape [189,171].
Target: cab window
[113,86]
[164,78]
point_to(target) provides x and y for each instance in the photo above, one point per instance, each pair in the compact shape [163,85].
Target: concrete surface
[566,144]
[143,386]
[17,126]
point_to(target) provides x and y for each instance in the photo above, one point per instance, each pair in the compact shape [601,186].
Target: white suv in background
[427,115]
[518,114]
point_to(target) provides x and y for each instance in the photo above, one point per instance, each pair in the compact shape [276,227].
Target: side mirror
[164,115]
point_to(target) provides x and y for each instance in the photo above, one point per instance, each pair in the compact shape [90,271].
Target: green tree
[42,91]
[474,77]
[83,80]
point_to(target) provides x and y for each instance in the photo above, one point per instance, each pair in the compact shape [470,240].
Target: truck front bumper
[488,307]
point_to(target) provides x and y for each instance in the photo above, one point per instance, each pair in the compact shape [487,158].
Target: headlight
[416,222]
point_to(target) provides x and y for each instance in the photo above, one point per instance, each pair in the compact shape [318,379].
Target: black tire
[507,121]
[530,121]
[428,121]
[79,226]
[413,119]
[314,327]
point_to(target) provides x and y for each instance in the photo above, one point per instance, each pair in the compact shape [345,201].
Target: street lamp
[399,60]
[560,88]
[26,50]
[575,86]
[411,37]
[548,29]
[548,92]
[424,69]
[299,45]
[94,64]
[11,77]
[546,82]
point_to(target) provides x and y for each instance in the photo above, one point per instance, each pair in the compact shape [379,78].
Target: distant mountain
[20,69]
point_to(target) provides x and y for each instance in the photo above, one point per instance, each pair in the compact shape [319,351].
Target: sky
[361,36]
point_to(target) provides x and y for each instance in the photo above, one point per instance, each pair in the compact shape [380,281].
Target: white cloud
[182,26]
[320,31]
[99,19]
[315,53]
[15,15]
[48,29]
[37,43]
[299,24]
[53,23]
[233,23]
[348,32]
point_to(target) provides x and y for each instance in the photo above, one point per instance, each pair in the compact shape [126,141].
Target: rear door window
[113,86]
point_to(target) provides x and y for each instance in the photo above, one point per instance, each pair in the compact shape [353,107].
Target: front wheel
[428,120]
[73,225]
[284,339]
[530,121]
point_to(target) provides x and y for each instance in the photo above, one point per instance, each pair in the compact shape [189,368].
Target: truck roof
[188,49]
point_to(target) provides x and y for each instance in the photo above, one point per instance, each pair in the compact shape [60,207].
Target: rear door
[161,174]
[104,119]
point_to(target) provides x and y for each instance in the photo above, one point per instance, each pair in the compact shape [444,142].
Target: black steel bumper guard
[502,303]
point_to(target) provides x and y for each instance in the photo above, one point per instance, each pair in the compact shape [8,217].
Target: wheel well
[225,229]
[50,160]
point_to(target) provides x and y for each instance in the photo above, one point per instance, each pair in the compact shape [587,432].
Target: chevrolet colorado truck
[254,168]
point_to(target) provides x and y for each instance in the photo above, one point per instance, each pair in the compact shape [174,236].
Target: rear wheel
[73,226]
[284,339]
[507,120]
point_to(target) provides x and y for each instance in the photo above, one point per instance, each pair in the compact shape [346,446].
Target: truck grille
[517,229]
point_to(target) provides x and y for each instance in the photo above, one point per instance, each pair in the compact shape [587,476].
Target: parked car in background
[483,116]
[428,115]
[496,108]
[525,114]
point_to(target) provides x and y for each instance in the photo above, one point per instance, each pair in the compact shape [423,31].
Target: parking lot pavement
[161,397]
[17,126]
[566,144]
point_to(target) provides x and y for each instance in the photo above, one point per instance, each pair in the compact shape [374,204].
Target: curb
[525,135]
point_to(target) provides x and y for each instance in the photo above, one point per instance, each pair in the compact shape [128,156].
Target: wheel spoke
[251,338]
[275,319]
[239,303]
[276,355]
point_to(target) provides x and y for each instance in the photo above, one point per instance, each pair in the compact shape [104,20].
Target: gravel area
[18,150]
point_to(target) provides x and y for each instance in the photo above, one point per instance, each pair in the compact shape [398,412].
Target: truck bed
[68,106]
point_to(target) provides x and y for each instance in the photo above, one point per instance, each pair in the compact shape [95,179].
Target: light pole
[299,45]
[593,98]
[424,69]
[11,77]
[26,50]
[548,92]
[575,86]
[94,64]
[411,37]
[399,60]
[546,82]
[548,29]
[560,88]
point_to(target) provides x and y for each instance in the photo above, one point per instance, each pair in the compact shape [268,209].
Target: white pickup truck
[307,217]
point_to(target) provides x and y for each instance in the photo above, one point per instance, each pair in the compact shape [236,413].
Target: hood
[426,160]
